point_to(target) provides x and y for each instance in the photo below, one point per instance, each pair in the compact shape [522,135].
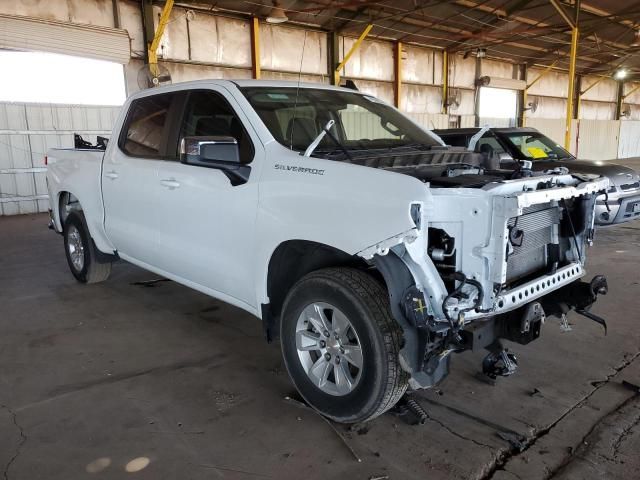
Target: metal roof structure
[531,32]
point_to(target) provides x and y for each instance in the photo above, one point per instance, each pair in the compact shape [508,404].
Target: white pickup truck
[369,247]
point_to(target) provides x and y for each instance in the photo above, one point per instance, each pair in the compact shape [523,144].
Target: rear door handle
[170,183]
[112,175]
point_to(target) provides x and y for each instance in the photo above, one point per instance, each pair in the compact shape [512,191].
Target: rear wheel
[81,252]
[340,344]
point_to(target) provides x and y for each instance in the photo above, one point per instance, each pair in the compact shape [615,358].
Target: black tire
[91,271]
[365,302]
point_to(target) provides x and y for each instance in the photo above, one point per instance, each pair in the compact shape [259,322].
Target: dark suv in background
[620,204]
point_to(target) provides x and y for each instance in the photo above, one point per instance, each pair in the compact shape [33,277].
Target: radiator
[537,224]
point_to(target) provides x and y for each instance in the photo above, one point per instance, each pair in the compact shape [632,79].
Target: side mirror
[217,152]
[507,161]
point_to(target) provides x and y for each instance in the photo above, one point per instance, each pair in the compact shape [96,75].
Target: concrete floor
[103,379]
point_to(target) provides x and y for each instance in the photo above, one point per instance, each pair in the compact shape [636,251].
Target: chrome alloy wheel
[329,349]
[76,248]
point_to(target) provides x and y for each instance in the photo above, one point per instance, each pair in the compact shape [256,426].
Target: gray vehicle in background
[620,204]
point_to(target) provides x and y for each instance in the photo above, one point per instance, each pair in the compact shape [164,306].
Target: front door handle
[112,174]
[170,183]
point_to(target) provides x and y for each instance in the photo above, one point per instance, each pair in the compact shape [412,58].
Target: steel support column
[619,99]
[572,83]
[333,55]
[255,48]
[445,82]
[397,64]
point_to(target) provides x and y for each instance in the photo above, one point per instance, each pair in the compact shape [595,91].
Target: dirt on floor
[153,380]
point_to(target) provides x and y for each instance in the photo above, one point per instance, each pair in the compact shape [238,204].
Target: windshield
[535,146]
[295,117]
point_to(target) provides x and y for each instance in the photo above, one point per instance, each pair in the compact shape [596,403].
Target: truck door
[207,224]
[130,183]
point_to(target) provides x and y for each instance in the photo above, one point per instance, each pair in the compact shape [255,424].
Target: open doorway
[498,107]
[38,77]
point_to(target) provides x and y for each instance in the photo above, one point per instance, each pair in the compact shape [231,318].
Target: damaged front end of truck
[489,263]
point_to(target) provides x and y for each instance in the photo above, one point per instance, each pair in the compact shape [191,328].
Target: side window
[144,131]
[489,146]
[208,114]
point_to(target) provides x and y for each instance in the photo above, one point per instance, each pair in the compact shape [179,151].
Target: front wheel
[340,344]
[81,252]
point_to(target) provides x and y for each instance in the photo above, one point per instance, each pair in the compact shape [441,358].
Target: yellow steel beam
[398,75]
[563,14]
[255,48]
[153,47]
[352,50]
[445,82]
[572,83]
[542,74]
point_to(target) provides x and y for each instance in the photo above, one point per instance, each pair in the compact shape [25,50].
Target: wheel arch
[290,261]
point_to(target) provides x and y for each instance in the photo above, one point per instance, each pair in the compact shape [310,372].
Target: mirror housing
[507,161]
[219,152]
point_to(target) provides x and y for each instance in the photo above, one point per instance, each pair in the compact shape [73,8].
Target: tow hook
[578,296]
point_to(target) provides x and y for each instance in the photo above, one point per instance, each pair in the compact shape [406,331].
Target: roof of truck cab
[196,84]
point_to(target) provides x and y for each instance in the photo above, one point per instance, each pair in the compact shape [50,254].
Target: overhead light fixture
[636,40]
[481,52]
[620,74]
[277,15]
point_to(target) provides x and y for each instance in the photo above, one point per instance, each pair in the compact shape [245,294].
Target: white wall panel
[605,90]
[220,40]
[293,77]
[554,84]
[548,107]
[174,43]
[420,65]
[551,127]
[629,144]
[462,72]
[131,21]
[421,99]
[381,90]
[430,121]
[281,48]
[373,60]
[635,96]
[27,131]
[494,68]
[597,110]
[598,139]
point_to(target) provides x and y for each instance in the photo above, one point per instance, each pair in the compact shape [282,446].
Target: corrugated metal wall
[629,144]
[27,131]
